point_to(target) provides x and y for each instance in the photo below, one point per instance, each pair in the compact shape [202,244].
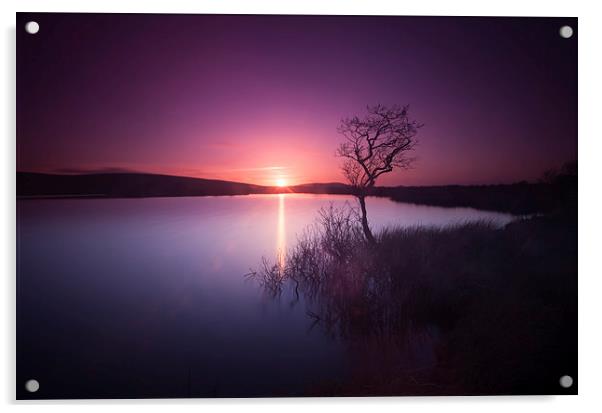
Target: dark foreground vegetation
[469,309]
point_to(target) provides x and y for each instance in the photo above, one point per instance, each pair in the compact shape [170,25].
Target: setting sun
[281,182]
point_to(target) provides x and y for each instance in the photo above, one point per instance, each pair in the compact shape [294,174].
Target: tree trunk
[365,226]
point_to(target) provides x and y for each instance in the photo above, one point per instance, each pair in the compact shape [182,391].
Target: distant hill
[131,185]
[519,198]
[325,188]
[114,185]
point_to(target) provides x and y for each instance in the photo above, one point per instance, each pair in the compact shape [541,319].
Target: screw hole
[32,386]
[566,32]
[32,27]
[566,381]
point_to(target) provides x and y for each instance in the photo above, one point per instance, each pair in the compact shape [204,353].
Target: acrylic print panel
[262,206]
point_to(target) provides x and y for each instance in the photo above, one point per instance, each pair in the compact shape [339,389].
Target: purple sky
[259,98]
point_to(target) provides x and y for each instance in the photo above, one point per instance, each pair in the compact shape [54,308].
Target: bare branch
[376,144]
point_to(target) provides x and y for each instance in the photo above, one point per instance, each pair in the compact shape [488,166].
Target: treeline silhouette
[556,190]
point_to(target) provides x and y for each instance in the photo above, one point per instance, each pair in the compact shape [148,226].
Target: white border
[590,161]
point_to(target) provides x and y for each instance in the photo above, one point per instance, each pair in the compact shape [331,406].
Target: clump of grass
[484,302]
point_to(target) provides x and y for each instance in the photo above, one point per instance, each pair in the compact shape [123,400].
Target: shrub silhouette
[465,309]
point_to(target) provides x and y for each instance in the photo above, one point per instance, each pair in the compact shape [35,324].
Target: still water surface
[147,297]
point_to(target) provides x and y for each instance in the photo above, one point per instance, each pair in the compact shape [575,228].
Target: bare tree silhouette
[375,145]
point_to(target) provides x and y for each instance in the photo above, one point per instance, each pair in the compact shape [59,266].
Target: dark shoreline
[517,198]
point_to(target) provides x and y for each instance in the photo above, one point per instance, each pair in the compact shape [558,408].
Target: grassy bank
[470,309]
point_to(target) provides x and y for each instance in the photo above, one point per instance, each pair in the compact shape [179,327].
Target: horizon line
[131,172]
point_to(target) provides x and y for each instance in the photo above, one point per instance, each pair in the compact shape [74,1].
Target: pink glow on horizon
[258,98]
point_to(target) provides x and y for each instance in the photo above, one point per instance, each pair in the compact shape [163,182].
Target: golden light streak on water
[281,235]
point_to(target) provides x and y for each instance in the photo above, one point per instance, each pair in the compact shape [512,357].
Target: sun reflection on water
[281,234]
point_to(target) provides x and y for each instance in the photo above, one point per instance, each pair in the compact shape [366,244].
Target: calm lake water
[147,297]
